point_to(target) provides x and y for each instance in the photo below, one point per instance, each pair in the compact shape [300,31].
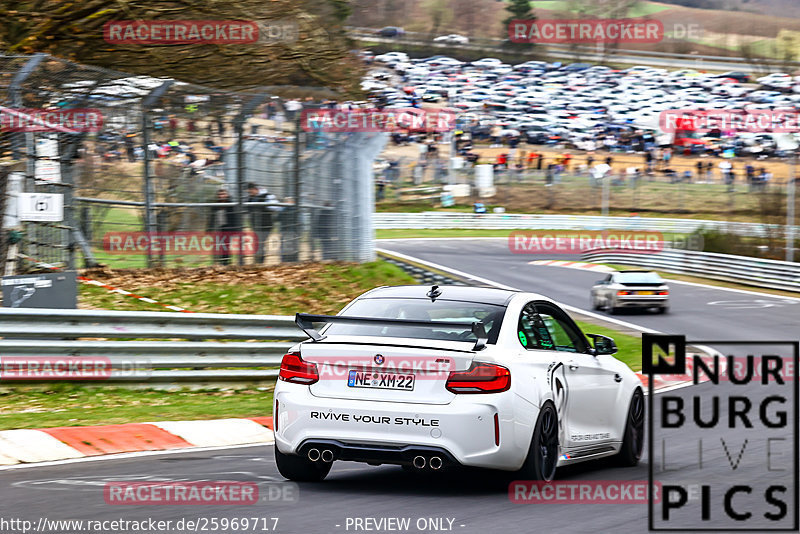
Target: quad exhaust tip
[313,455]
[327,456]
[435,463]
[419,462]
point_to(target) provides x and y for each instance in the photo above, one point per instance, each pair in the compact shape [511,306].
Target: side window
[532,331]
[565,335]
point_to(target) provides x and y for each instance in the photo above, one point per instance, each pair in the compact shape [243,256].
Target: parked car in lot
[437,377]
[486,63]
[631,289]
[580,105]
[741,77]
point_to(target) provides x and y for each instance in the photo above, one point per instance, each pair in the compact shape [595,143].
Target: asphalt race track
[465,501]
[699,312]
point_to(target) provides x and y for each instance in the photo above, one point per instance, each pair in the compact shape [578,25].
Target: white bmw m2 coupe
[432,377]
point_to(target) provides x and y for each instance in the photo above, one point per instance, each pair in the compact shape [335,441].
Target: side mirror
[603,344]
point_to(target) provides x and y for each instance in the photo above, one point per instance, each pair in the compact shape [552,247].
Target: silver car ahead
[631,289]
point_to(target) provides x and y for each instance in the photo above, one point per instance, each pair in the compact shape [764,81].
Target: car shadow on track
[393,480]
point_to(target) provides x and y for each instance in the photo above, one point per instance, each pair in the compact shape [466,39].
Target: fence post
[238,124]
[790,196]
[147,103]
[298,190]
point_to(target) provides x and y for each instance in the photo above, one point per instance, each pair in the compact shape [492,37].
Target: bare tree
[74,30]
[440,14]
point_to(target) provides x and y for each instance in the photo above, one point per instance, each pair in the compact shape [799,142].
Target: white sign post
[48,166]
[41,207]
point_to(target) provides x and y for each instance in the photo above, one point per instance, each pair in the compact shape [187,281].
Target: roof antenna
[434,293]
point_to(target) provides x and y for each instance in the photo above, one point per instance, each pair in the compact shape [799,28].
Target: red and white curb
[574,265]
[665,382]
[65,443]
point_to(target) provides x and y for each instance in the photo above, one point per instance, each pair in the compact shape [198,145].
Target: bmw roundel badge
[379,359]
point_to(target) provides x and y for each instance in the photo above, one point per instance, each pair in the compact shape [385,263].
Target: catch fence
[160,176]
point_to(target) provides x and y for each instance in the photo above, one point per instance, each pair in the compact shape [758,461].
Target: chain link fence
[533,180]
[156,172]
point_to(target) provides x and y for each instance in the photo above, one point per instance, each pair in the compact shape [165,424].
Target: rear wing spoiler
[304,322]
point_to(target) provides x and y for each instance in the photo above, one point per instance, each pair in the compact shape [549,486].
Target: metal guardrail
[515,221]
[168,347]
[740,269]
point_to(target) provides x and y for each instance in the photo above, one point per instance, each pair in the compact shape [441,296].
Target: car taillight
[479,378]
[663,292]
[295,369]
[623,292]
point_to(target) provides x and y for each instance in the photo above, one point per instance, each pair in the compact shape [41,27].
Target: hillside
[722,32]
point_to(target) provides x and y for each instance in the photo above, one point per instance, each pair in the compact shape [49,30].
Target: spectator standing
[380,186]
[129,147]
[549,174]
[750,175]
[731,179]
[261,218]
[567,160]
[667,157]
[223,219]
[725,168]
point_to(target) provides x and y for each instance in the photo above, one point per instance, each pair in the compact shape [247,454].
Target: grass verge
[280,290]
[629,347]
[73,405]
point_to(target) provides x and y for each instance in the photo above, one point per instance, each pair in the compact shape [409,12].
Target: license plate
[362,379]
[646,292]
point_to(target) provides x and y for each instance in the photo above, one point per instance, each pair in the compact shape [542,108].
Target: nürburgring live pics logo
[725,451]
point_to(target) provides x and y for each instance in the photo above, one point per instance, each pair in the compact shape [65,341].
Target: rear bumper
[377,454]
[641,302]
[461,432]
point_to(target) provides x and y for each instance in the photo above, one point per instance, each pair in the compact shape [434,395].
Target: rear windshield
[639,278]
[421,310]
